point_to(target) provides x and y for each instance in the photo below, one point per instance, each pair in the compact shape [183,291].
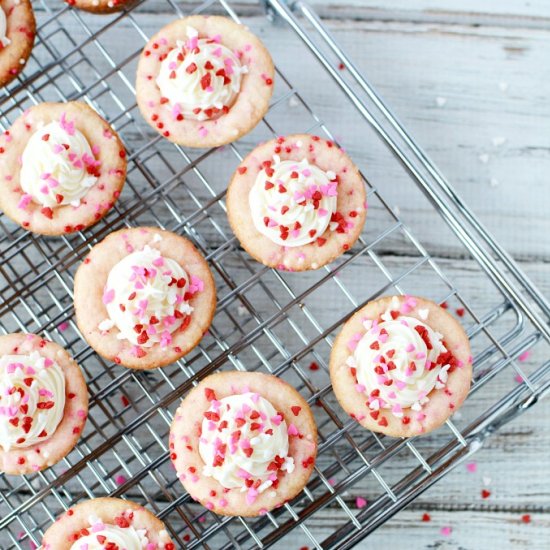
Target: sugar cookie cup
[243,443]
[401,366]
[204,81]
[296,202]
[62,167]
[17,33]
[43,403]
[111,522]
[144,297]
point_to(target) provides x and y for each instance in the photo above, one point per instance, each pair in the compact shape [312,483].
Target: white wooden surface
[460,88]
[471,82]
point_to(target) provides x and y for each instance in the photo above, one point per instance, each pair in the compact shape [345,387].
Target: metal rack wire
[266,320]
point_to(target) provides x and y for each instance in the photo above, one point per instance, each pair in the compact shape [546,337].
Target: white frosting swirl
[200,77]
[244,438]
[394,361]
[32,399]
[57,165]
[125,538]
[4,40]
[292,202]
[146,297]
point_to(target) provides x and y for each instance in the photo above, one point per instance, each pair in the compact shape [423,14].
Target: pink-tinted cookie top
[107,524]
[43,403]
[404,365]
[61,168]
[204,81]
[144,297]
[297,202]
[243,443]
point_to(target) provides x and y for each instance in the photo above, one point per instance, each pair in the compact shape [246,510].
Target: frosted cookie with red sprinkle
[109,523]
[43,403]
[296,202]
[144,297]
[204,81]
[401,366]
[17,32]
[243,443]
[100,6]
[62,167]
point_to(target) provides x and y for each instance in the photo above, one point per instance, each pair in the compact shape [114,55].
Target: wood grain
[461,76]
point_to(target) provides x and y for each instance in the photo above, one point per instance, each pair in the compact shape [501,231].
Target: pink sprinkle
[203,132]
[222,502]
[410,348]
[471,467]
[25,201]
[446,531]
[197,284]
[120,480]
[108,296]
[98,526]
[524,356]
[63,326]
[277,419]
[292,430]
[332,481]
[518,378]
[251,495]
[360,502]
[360,388]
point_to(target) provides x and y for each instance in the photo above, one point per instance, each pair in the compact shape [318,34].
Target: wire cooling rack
[270,321]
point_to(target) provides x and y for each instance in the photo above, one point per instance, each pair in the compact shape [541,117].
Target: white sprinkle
[498,141]
[299,143]
[440,101]
[241,311]
[22,61]
[105,325]
[157,238]
[493,182]
[503,86]
[293,102]
[484,158]
[486,481]
[367,324]
[423,313]
[111,4]
[95,2]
